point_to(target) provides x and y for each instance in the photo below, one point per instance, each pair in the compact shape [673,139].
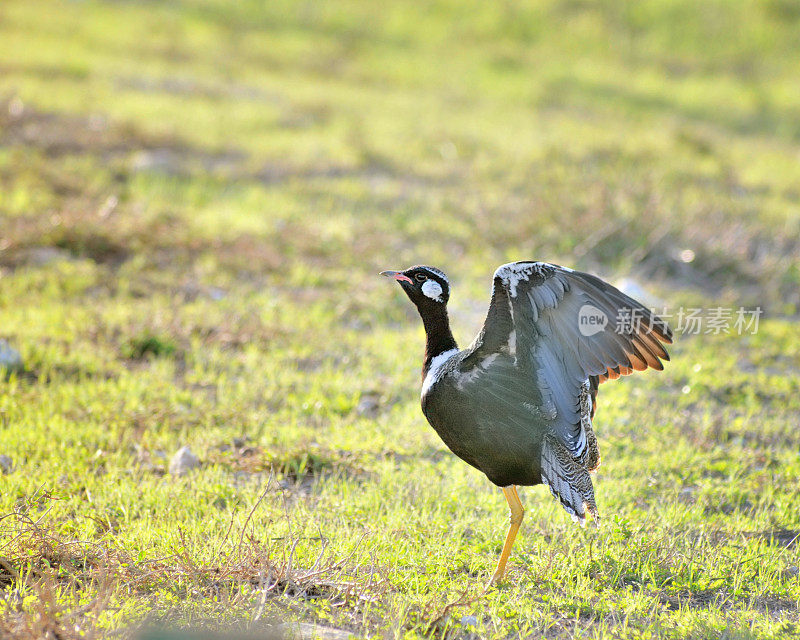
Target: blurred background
[315,143]
[196,197]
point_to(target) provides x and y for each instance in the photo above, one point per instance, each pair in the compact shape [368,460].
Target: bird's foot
[496,579]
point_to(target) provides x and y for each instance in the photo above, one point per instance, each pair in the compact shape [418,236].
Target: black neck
[439,338]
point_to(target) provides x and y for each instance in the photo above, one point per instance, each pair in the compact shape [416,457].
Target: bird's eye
[421,277]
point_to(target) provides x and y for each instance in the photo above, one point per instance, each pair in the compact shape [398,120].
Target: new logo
[591,320]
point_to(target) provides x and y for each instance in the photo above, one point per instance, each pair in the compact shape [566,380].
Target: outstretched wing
[568,331]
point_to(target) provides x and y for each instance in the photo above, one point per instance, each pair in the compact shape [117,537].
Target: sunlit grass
[195,200]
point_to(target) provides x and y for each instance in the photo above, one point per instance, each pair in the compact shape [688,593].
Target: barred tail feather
[568,480]
[591,457]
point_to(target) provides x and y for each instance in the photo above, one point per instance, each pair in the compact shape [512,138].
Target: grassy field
[195,200]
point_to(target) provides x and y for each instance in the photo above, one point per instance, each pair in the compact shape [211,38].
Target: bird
[518,402]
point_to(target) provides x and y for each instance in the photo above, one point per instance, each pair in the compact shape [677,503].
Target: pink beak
[396,275]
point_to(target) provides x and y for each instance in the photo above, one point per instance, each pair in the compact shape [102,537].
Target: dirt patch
[786,538]
[694,599]
[705,598]
[84,229]
[72,233]
[84,241]
[299,465]
[59,134]
[149,345]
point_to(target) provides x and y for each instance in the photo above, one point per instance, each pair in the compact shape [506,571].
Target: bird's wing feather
[535,316]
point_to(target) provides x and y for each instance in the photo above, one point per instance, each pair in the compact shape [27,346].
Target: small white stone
[43,256]
[6,464]
[183,461]
[155,160]
[217,294]
[10,358]
[309,631]
[15,107]
[469,621]
[368,405]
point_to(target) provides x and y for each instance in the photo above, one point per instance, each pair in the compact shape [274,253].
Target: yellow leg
[516,519]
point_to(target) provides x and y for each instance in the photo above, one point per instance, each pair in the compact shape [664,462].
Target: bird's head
[427,287]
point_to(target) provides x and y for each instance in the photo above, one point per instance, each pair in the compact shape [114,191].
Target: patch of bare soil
[81,230]
[787,538]
[58,134]
[300,465]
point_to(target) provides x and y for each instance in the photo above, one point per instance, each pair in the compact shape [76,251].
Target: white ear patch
[432,289]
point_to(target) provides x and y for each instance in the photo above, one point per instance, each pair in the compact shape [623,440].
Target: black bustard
[518,403]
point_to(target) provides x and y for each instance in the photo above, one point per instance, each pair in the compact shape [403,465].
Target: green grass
[195,200]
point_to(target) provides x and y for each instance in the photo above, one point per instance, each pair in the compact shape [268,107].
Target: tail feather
[591,456]
[568,480]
